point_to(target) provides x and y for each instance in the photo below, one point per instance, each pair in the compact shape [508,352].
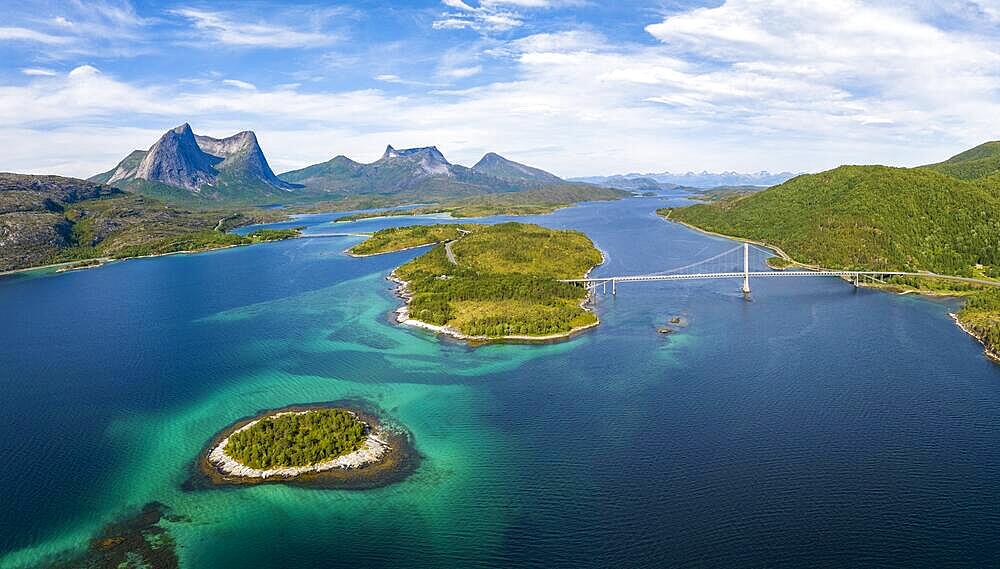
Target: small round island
[325,446]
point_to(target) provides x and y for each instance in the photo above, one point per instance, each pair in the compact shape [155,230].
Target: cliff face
[203,167]
[33,226]
[177,160]
[242,159]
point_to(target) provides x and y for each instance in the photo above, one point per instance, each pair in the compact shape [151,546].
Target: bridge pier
[746,269]
[614,287]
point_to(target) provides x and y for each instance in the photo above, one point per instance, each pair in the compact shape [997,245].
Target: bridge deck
[773,274]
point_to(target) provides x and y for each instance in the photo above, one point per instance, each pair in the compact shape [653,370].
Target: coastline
[109,260]
[387,457]
[363,255]
[990,353]
[781,253]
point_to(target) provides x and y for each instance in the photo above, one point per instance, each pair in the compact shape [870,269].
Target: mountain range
[185,166]
[668,180]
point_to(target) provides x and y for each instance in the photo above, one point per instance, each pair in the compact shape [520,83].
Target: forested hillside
[943,218]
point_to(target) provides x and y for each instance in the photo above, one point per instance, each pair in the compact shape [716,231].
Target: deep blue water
[816,426]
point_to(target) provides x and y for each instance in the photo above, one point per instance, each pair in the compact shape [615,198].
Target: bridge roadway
[596,281]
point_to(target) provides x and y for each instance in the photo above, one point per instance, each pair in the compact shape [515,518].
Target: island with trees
[486,283]
[327,446]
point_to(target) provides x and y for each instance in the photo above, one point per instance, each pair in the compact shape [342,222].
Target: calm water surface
[817,426]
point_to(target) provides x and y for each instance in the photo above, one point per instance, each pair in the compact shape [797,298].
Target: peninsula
[327,446]
[941,218]
[488,283]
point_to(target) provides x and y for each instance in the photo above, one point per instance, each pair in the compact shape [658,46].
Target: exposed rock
[177,160]
[231,167]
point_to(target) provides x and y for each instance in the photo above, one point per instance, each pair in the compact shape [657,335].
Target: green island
[942,218]
[494,282]
[528,202]
[335,445]
[297,439]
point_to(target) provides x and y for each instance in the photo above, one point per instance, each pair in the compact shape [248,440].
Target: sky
[577,87]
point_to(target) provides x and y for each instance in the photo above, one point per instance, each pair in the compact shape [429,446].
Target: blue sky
[577,87]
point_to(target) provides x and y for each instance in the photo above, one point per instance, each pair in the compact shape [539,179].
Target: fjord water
[814,426]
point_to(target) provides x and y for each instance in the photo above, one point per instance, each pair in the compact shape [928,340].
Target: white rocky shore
[372,451]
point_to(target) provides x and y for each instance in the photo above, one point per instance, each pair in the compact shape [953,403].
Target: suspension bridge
[726,265]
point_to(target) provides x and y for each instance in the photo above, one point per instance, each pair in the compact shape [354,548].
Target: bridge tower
[746,268]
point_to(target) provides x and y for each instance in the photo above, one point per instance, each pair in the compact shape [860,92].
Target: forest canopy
[297,439]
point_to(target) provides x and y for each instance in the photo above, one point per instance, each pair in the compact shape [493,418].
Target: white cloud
[38,72]
[219,27]
[462,72]
[95,27]
[487,17]
[25,34]
[749,85]
[239,84]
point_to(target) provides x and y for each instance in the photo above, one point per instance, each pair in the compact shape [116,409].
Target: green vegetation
[976,163]
[778,262]
[871,217]
[723,192]
[190,241]
[504,281]
[538,201]
[399,238]
[297,439]
[943,218]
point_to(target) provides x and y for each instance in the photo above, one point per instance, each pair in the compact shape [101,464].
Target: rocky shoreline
[986,348]
[386,457]
[372,451]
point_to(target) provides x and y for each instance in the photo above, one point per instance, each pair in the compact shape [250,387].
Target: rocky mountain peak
[183,159]
[177,160]
[427,160]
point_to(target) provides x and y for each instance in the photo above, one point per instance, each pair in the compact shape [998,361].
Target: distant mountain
[694,180]
[492,164]
[182,164]
[630,182]
[421,174]
[193,169]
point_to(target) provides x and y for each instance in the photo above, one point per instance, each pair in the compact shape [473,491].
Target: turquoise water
[814,426]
